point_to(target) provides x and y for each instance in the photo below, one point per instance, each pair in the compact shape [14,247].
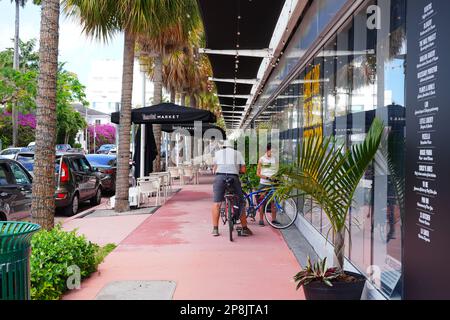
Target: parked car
[112,151]
[76,182]
[63,147]
[26,159]
[106,166]
[106,148]
[32,146]
[77,150]
[10,153]
[15,191]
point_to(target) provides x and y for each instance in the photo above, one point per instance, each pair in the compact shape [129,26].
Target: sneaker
[246,232]
[215,232]
[275,222]
[261,223]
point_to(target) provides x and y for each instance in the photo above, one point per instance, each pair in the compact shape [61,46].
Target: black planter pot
[339,291]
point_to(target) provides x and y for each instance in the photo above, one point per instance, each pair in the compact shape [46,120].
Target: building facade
[347,62]
[104,87]
[93,118]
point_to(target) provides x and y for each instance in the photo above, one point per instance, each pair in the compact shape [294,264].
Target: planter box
[339,291]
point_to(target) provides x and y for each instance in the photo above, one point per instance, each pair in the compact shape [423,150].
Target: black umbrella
[191,129]
[167,113]
[149,149]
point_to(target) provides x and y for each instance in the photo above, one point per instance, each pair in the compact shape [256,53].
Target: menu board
[427,222]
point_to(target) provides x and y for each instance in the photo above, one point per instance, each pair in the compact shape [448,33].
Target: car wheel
[97,199]
[72,209]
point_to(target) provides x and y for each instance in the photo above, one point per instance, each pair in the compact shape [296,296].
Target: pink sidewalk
[176,245]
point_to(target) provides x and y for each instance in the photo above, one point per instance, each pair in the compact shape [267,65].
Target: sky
[75,49]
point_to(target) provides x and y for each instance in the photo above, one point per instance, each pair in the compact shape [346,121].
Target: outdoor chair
[188,172]
[148,186]
[196,169]
[165,182]
[175,173]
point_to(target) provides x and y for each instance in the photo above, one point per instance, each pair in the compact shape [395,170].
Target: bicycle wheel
[229,207]
[223,212]
[250,209]
[285,214]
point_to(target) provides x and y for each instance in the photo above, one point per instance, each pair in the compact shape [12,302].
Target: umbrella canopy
[191,128]
[167,113]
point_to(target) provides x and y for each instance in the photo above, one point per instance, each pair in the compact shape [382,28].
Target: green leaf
[329,175]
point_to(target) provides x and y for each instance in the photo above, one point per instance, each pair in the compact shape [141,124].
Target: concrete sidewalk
[175,244]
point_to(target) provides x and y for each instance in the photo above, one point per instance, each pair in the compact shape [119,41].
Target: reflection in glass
[357,75]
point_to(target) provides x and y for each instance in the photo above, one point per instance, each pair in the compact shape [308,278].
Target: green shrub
[53,253]
[250,179]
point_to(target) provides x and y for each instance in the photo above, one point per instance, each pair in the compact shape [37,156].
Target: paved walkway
[175,244]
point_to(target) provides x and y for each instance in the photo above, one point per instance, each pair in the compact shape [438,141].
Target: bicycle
[286,210]
[229,211]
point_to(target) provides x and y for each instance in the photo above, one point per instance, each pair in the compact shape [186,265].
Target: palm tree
[158,45]
[175,72]
[105,18]
[43,206]
[331,176]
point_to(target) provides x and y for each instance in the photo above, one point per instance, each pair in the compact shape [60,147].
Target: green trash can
[15,243]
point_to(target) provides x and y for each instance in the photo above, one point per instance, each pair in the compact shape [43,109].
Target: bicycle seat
[229,185]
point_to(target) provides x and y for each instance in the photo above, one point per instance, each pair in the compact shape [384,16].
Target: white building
[105,84]
[92,117]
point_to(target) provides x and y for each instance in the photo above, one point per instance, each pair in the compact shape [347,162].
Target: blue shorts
[220,186]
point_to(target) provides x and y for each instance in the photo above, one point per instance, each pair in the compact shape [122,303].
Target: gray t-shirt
[228,161]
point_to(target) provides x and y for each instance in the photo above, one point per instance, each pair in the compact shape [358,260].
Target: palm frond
[328,174]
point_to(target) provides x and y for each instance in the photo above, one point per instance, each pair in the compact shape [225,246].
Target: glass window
[329,86]
[19,174]
[389,181]
[81,165]
[4,178]
[76,165]
[362,104]
[359,74]
[86,167]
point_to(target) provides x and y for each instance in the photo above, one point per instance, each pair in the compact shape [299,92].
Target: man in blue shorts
[228,163]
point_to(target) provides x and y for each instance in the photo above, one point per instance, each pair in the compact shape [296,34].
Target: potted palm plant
[330,175]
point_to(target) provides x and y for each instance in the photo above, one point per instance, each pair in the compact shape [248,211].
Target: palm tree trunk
[123,168]
[43,207]
[173,96]
[339,249]
[157,99]
[183,99]
[16,66]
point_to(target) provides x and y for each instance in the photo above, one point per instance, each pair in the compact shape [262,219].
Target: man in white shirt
[228,163]
[267,168]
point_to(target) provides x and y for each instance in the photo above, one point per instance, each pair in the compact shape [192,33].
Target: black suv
[76,181]
[15,191]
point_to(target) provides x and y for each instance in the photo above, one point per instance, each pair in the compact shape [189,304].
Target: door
[80,176]
[85,177]
[13,201]
[23,188]
[90,177]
